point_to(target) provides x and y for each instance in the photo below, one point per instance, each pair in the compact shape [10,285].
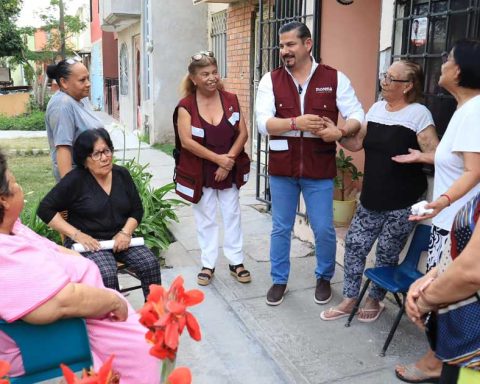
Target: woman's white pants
[205,212]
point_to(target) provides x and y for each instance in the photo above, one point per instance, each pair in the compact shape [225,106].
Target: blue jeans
[318,196]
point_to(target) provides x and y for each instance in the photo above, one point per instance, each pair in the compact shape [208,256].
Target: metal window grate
[219,40]
[426,29]
[272,14]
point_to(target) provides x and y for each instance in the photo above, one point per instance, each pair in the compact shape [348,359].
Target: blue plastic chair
[44,347]
[397,279]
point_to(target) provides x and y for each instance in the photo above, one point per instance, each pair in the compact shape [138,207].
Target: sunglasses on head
[199,55]
[73,60]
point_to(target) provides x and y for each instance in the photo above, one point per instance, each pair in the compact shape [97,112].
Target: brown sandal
[204,278]
[243,276]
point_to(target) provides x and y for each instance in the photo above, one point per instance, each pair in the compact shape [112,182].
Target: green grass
[24,144]
[165,147]
[34,174]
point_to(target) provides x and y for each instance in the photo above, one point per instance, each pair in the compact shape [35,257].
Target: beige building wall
[13,104]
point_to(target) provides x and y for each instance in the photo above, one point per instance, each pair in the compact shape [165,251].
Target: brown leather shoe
[276,293]
[323,292]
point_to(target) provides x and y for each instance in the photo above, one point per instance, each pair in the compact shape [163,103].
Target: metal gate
[424,30]
[271,15]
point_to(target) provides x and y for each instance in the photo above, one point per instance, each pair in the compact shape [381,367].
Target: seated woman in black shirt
[102,203]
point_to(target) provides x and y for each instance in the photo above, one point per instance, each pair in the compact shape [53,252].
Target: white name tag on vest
[278,145]
[246,177]
[199,132]
[185,190]
[234,118]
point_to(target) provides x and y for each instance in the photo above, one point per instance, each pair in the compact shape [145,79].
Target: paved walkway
[246,341]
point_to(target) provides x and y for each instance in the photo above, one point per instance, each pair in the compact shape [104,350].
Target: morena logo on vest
[324,90]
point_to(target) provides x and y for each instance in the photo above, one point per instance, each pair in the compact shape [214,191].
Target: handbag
[458,332]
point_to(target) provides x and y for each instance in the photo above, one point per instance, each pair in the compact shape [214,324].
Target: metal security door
[271,15]
[424,31]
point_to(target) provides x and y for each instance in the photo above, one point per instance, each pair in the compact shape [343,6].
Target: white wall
[386,24]
[179,30]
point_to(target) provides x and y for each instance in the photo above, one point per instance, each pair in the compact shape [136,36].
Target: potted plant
[346,180]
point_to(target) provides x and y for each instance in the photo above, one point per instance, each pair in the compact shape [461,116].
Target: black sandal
[243,276]
[204,278]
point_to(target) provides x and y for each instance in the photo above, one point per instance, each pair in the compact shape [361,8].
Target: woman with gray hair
[393,126]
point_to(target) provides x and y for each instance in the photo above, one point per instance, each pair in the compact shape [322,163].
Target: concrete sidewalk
[246,341]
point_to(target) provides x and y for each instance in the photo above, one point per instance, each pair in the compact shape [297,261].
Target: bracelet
[73,237]
[122,231]
[447,197]
[293,124]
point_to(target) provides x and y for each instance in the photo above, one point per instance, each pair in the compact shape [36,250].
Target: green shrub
[31,220]
[34,121]
[158,210]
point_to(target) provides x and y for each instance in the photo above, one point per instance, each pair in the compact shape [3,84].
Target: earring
[404,91]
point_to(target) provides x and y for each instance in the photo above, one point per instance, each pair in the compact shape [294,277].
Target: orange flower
[165,315]
[4,368]
[180,375]
[105,375]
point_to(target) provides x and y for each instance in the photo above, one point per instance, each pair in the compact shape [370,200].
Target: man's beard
[285,59]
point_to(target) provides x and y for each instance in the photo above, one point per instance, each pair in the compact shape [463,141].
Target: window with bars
[218,37]
[424,30]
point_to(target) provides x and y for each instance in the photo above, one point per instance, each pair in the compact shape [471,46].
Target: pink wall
[110,54]
[95,30]
[350,38]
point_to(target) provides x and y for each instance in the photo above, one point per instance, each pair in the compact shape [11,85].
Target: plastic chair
[44,347]
[397,279]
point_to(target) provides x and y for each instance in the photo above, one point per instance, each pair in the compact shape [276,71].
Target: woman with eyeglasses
[69,113]
[394,126]
[103,204]
[457,177]
[211,164]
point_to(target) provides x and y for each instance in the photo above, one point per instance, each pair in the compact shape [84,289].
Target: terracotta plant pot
[343,212]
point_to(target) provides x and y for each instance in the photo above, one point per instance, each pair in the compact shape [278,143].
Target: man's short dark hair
[83,146]
[466,54]
[302,30]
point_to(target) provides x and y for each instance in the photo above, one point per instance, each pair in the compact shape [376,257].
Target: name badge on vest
[278,145]
[234,118]
[198,132]
[323,90]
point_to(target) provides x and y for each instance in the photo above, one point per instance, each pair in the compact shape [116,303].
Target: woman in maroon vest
[211,162]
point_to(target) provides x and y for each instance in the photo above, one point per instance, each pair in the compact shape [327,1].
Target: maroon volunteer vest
[308,157]
[187,164]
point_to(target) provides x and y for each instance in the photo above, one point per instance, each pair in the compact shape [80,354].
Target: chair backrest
[419,244]
[44,347]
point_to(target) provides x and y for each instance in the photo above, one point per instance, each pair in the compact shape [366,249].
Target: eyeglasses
[389,79]
[96,156]
[199,55]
